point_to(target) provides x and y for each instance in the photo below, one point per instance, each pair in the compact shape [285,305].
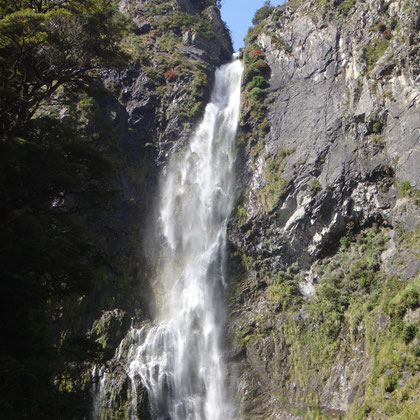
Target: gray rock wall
[343,106]
[324,107]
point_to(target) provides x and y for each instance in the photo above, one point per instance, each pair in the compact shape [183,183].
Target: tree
[49,44]
[54,175]
[262,13]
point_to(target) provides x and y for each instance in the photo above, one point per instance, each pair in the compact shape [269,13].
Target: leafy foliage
[406,190]
[346,6]
[167,20]
[374,51]
[275,183]
[55,176]
[49,45]
[262,13]
[354,305]
[255,80]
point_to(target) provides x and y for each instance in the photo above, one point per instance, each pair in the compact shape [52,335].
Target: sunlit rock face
[345,123]
[335,150]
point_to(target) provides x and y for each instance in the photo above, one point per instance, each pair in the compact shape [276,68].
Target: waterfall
[180,359]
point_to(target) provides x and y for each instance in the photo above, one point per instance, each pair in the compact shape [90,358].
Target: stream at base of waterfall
[180,359]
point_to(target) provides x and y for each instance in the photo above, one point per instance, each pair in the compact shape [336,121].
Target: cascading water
[180,360]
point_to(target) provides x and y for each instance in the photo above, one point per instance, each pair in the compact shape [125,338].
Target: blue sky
[238,15]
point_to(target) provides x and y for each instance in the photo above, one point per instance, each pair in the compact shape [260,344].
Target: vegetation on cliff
[309,316]
[325,243]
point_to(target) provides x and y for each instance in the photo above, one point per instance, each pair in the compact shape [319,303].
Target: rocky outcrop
[329,144]
[110,329]
[188,40]
[153,106]
[332,115]
[155,103]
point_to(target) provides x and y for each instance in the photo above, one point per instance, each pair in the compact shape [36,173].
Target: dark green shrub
[416,350]
[285,295]
[257,81]
[262,13]
[405,187]
[410,297]
[409,332]
[373,51]
[366,278]
[314,186]
[177,22]
[345,242]
[406,190]
[257,94]
[154,76]
[377,127]
[264,126]
[346,6]
[396,310]
[390,382]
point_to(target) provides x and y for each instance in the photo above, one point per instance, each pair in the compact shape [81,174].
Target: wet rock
[110,329]
[117,395]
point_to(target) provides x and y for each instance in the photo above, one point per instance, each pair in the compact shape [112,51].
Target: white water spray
[180,360]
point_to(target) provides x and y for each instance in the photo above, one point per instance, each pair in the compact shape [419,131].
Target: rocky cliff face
[324,240]
[152,106]
[325,237]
